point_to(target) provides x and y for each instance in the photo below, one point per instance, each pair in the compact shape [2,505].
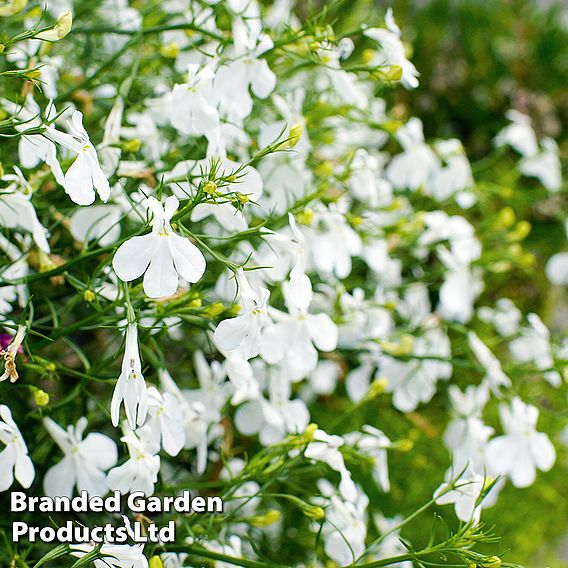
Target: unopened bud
[491,562]
[89,296]
[305,217]
[170,50]
[60,30]
[269,518]
[210,187]
[132,145]
[294,136]
[378,387]
[41,398]
[214,310]
[155,562]
[309,432]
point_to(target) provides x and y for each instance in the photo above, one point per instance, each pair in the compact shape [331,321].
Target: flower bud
[491,562]
[294,135]
[210,187]
[269,518]
[41,398]
[378,387]
[170,50]
[89,296]
[60,30]
[306,216]
[155,562]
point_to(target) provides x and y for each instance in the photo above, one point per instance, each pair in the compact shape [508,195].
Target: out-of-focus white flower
[557,268]
[274,418]
[17,210]
[519,134]
[521,450]
[505,316]
[14,459]
[414,167]
[533,346]
[192,110]
[345,528]
[162,255]
[545,165]
[130,387]
[34,148]
[494,375]
[391,51]
[85,461]
[373,443]
[325,448]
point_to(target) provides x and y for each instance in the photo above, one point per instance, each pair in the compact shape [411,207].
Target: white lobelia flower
[373,443]
[130,387]
[115,555]
[392,52]
[414,381]
[464,496]
[345,528]
[462,285]
[165,422]
[85,174]
[34,148]
[162,255]
[414,167]
[100,223]
[293,338]
[243,333]
[140,471]
[325,448]
[545,166]
[466,435]
[521,450]
[274,418]
[85,461]
[197,419]
[17,210]
[14,459]
[494,375]
[519,134]
[331,242]
[192,112]
[505,316]
[533,346]
[557,269]
[247,69]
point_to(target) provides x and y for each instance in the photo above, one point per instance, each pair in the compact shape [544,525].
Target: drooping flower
[85,461]
[130,388]
[85,174]
[162,255]
[14,459]
[17,210]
